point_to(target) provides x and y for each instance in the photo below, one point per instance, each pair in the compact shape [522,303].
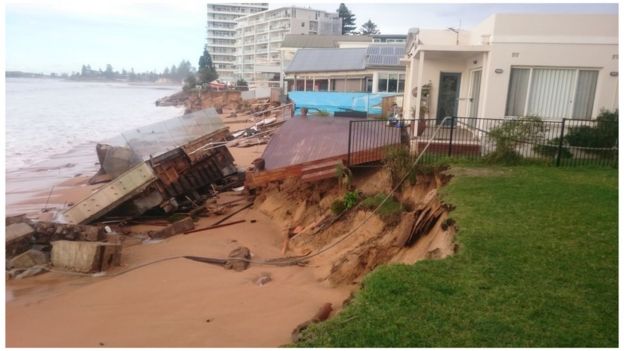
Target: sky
[60,36]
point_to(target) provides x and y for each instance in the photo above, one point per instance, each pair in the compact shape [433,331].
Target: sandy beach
[172,303]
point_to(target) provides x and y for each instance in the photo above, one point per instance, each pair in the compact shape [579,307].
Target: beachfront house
[374,68]
[549,65]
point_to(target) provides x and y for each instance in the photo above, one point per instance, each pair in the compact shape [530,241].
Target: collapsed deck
[310,149]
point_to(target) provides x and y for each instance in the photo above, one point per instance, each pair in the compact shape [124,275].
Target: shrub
[190,82]
[551,148]
[399,161]
[350,199]
[390,211]
[509,134]
[603,134]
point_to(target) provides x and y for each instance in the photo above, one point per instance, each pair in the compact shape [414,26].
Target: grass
[537,267]
[390,208]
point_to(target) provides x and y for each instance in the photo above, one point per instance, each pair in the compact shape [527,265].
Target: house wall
[599,57]
[517,40]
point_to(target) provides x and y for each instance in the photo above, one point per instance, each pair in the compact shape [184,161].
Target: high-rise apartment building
[221,34]
[259,37]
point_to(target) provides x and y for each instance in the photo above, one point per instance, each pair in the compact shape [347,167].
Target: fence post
[558,161]
[349,145]
[450,148]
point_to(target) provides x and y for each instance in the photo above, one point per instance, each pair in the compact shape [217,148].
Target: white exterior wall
[505,41]
[221,33]
[259,38]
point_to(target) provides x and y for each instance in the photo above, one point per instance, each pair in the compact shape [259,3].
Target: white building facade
[551,66]
[259,37]
[221,33]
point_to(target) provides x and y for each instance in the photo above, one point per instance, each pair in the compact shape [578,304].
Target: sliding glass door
[551,92]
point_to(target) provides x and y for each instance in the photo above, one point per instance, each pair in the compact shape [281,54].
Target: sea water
[53,125]
[46,117]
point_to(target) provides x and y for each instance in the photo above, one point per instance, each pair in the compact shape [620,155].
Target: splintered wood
[427,214]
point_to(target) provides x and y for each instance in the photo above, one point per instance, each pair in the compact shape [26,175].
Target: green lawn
[537,266]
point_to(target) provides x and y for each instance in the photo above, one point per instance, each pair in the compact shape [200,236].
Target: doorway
[448,96]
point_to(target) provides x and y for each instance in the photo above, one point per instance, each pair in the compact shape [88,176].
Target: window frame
[531,69]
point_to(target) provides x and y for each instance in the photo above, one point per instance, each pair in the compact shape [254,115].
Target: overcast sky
[60,36]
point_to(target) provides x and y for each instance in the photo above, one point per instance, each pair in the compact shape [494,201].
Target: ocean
[52,126]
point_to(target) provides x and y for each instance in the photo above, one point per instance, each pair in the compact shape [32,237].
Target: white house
[553,66]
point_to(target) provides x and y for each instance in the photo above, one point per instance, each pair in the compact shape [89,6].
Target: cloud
[182,13]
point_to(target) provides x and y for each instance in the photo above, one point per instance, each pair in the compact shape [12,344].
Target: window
[551,92]
[392,82]
[382,84]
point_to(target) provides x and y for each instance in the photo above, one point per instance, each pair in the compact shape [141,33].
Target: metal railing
[565,142]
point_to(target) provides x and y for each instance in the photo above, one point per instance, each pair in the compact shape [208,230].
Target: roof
[320,41]
[346,59]
[384,55]
[328,60]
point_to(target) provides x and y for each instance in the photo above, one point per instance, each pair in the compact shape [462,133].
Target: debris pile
[164,165]
[30,245]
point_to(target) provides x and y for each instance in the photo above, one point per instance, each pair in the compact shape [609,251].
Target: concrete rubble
[85,257]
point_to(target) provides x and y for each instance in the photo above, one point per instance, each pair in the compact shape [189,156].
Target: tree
[183,70]
[206,71]
[109,74]
[190,82]
[369,28]
[348,19]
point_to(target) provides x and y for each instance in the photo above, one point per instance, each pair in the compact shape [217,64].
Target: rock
[264,278]
[240,262]
[179,227]
[19,237]
[28,259]
[85,257]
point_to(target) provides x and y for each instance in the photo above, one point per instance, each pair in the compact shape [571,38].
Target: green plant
[510,134]
[337,207]
[399,161]
[603,134]
[350,199]
[551,149]
[389,211]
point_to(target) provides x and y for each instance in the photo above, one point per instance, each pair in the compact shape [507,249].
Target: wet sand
[173,303]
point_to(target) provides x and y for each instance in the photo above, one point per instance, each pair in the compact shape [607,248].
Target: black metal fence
[565,142]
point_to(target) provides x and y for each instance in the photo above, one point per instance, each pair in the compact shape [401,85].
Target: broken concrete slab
[178,227]
[15,219]
[84,256]
[46,232]
[19,237]
[29,259]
